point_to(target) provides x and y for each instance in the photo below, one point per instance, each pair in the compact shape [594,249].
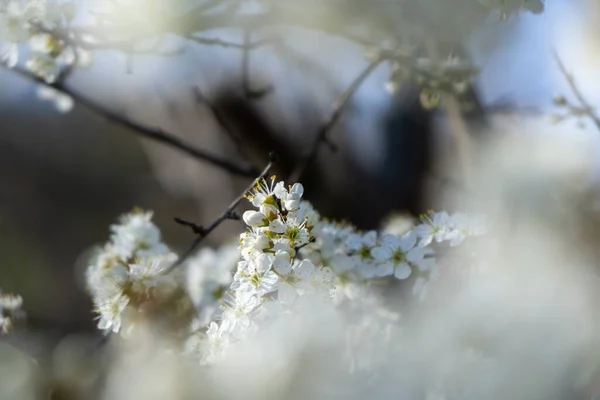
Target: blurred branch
[247,90]
[246,46]
[144,131]
[322,135]
[229,213]
[458,127]
[585,108]
[229,129]
[188,24]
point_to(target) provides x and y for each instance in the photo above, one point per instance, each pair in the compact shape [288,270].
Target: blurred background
[67,177]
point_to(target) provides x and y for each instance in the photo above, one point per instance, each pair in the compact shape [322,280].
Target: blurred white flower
[10,311]
[62,101]
[396,255]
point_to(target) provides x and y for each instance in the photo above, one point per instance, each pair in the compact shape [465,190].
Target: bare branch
[322,134]
[224,43]
[202,232]
[144,131]
[185,24]
[585,108]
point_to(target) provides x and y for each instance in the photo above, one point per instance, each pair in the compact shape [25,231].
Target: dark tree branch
[586,107]
[323,132]
[245,46]
[144,131]
[298,248]
[185,24]
[202,232]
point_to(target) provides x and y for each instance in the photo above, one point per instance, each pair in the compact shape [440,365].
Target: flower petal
[402,271]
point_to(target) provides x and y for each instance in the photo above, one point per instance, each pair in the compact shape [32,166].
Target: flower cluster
[127,277]
[269,277]
[10,311]
[289,252]
[288,256]
[32,22]
[35,23]
[452,75]
[209,274]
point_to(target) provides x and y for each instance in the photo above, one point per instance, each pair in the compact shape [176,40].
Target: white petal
[84,57]
[268,209]
[370,238]
[385,269]
[279,190]
[342,263]
[402,271]
[254,218]
[292,204]
[286,294]
[381,253]
[419,285]
[425,241]
[282,262]
[46,92]
[297,190]
[354,241]
[258,200]
[408,241]
[264,262]
[64,103]
[277,226]
[415,255]
[425,264]
[11,56]
[391,241]
[367,270]
[305,269]
[269,281]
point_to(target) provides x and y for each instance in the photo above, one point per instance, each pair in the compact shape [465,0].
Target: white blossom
[255,219]
[111,312]
[10,311]
[63,102]
[397,255]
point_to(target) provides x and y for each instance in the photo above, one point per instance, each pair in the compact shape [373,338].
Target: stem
[157,135]
[203,232]
[322,134]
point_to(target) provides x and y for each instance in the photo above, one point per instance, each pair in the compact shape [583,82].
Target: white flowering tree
[299,305]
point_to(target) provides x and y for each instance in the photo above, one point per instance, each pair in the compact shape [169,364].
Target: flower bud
[255,219]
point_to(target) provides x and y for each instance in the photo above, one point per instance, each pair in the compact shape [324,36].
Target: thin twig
[246,89]
[458,127]
[461,135]
[184,24]
[202,232]
[246,65]
[298,248]
[224,43]
[585,105]
[144,131]
[323,132]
